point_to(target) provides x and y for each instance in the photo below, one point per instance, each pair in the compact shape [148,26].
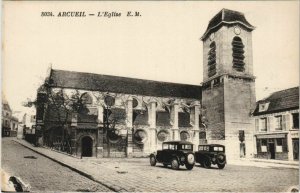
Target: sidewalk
[264,163]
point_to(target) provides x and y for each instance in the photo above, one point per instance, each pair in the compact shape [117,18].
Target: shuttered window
[256,125]
[286,122]
[238,54]
[295,120]
[212,59]
[263,125]
[269,121]
[278,123]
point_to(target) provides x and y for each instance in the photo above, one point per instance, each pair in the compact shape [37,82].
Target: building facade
[28,122]
[9,122]
[140,116]
[277,126]
[150,112]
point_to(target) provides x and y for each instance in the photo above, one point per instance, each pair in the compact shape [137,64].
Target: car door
[159,155]
[162,154]
[172,152]
[166,157]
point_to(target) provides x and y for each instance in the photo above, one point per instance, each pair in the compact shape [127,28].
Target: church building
[129,117]
[228,88]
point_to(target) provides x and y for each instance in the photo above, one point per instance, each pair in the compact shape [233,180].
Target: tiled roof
[280,101]
[226,16]
[116,84]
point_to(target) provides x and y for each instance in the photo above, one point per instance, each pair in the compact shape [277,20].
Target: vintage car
[174,153]
[211,154]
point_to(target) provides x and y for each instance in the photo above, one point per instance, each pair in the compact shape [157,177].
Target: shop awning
[265,136]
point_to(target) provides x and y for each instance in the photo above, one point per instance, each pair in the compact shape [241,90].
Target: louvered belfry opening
[238,54]
[212,60]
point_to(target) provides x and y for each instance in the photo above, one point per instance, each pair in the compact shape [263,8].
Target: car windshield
[169,146]
[218,149]
[165,146]
[203,148]
[187,147]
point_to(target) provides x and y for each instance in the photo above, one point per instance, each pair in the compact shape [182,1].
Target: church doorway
[86,147]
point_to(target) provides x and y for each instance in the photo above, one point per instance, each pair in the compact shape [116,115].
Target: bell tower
[228,88]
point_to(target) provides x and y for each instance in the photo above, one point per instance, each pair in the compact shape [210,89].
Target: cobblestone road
[42,173]
[136,175]
[232,178]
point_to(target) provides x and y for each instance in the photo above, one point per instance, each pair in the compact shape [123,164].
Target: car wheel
[152,160]
[207,163]
[221,166]
[189,167]
[221,159]
[175,164]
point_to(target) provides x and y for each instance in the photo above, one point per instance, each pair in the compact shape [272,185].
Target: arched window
[86,98]
[238,54]
[135,103]
[212,59]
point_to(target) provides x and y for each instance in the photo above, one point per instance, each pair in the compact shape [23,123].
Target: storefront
[272,146]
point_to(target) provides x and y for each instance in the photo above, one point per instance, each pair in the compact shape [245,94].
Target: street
[42,173]
[136,174]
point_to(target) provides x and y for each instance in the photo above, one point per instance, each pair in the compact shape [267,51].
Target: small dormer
[263,106]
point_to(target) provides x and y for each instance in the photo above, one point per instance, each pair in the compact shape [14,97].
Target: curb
[281,163]
[72,168]
[45,147]
[267,163]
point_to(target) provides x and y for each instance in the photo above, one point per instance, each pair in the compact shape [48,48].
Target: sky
[162,44]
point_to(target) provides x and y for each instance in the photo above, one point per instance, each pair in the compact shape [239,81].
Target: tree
[112,116]
[59,107]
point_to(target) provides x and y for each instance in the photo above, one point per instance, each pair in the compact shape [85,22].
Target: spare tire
[190,158]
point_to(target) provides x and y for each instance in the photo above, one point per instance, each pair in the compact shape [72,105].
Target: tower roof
[227,17]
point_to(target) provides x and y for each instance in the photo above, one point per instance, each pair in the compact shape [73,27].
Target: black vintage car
[174,153]
[211,154]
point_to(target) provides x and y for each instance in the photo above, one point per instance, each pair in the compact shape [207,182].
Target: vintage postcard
[150,96]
